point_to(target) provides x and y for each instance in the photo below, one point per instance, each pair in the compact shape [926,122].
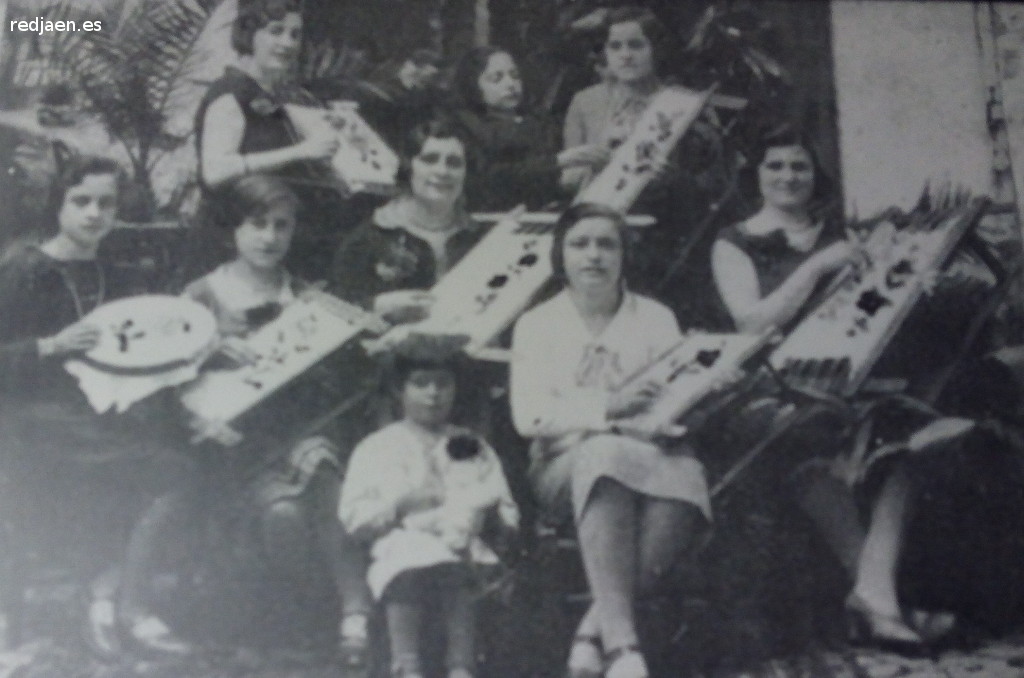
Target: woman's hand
[217,431]
[838,255]
[238,351]
[403,306]
[321,145]
[76,338]
[631,403]
[587,155]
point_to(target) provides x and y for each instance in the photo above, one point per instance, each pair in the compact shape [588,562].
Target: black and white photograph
[511,339]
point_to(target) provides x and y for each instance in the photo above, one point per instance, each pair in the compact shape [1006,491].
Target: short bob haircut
[468,72]
[653,29]
[784,136]
[71,171]
[573,216]
[252,196]
[439,128]
[254,15]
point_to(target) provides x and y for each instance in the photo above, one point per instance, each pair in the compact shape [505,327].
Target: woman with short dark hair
[390,261]
[242,128]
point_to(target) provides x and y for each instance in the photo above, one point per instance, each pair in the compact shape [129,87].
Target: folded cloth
[105,390]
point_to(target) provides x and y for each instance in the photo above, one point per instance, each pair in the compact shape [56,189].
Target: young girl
[290,482]
[418,491]
[78,477]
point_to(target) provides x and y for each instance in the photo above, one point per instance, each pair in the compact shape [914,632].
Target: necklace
[72,287]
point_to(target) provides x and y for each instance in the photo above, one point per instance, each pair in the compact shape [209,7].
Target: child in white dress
[419,491]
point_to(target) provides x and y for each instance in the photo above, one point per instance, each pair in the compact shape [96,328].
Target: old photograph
[511,339]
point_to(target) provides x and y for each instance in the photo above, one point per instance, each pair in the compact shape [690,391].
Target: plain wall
[911,95]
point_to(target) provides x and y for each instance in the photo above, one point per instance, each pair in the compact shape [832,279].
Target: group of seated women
[410,517]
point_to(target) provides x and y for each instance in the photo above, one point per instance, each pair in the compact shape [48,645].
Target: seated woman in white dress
[637,504]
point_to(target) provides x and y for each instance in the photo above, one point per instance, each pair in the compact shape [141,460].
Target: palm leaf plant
[128,76]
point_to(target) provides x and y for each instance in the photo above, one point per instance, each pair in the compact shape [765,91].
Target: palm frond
[128,74]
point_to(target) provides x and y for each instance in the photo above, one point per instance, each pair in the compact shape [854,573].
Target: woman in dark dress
[518,158]
[767,270]
[242,128]
[68,466]
[390,261]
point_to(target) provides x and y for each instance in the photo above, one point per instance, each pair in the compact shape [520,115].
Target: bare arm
[736,280]
[219,156]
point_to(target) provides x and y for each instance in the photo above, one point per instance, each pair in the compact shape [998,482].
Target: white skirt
[563,481]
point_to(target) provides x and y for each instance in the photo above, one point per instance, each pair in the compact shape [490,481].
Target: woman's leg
[347,559]
[829,503]
[668,528]
[607,531]
[162,522]
[877,567]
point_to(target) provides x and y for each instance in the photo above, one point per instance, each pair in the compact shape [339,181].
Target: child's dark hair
[252,195]
[71,171]
[403,367]
[253,15]
[573,216]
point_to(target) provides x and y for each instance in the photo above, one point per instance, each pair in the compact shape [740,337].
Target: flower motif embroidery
[397,263]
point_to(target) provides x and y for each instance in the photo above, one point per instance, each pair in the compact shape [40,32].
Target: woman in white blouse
[571,354]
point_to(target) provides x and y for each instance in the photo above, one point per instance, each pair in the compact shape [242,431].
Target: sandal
[354,641]
[626,662]
[585,658]
[152,636]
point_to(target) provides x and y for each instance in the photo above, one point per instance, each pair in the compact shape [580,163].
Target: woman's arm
[736,280]
[224,127]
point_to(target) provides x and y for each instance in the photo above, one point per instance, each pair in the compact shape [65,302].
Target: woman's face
[263,240]
[501,88]
[439,171]
[629,52]
[786,177]
[275,47]
[87,214]
[428,396]
[593,254]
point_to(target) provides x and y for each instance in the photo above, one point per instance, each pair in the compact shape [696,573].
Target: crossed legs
[614,519]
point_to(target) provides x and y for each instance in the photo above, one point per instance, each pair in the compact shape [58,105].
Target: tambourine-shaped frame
[150,333]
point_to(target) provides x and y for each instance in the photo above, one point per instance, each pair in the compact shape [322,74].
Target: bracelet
[245,164]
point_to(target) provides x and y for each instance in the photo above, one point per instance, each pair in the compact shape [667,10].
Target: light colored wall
[911,89]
